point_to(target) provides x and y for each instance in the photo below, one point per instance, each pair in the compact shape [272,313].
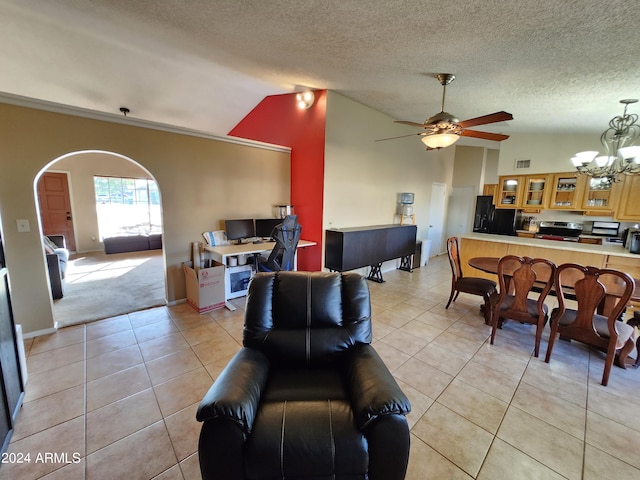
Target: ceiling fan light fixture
[440,140]
[444,129]
[305,99]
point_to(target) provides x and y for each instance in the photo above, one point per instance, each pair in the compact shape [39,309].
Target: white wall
[363,177]
[469,167]
[202,181]
[491,166]
[548,153]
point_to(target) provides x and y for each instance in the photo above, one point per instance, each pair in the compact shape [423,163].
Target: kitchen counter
[607,255]
[616,250]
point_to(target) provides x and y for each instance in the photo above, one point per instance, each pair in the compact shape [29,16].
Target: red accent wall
[278,120]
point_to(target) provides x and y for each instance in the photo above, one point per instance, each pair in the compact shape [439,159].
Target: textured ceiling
[556,65]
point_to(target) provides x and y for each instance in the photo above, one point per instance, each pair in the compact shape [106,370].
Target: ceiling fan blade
[401,136]
[413,124]
[483,120]
[496,137]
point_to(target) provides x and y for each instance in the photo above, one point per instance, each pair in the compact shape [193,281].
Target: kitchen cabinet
[629,205]
[509,192]
[600,196]
[536,193]
[529,193]
[489,189]
[567,191]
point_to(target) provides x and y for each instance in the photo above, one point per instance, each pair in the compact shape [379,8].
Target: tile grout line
[84,457]
[153,389]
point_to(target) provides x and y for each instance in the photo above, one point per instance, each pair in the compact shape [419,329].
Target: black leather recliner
[307,397]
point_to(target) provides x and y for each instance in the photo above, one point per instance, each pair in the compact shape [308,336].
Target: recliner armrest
[373,389]
[235,394]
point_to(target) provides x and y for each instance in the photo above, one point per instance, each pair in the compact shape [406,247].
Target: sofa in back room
[132,243]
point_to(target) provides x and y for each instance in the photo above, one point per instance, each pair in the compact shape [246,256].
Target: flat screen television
[265,226]
[239,229]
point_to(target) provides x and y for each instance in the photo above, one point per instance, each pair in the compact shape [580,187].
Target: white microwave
[606,229]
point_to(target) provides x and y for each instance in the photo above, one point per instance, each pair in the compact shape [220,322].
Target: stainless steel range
[561,231]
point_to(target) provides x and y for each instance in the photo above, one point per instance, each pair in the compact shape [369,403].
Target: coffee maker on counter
[631,239]
[530,224]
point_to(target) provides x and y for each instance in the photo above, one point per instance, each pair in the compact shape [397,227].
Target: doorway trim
[48,167]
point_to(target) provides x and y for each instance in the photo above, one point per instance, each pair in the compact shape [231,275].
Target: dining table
[490,265]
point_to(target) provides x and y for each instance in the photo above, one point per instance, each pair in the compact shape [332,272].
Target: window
[127,206]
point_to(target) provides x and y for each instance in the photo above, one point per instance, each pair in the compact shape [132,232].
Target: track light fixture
[305,99]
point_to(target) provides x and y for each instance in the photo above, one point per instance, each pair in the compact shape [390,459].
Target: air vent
[523,163]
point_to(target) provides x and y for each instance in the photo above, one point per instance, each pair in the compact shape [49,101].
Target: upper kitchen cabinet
[567,191]
[536,193]
[600,196]
[509,192]
[489,189]
[629,206]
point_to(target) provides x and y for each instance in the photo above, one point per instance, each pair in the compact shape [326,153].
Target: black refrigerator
[489,219]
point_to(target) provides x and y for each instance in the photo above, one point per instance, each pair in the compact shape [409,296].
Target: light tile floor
[118,396]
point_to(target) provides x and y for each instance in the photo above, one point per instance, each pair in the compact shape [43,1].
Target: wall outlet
[23,225]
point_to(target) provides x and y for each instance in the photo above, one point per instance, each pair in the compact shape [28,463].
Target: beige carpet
[100,286]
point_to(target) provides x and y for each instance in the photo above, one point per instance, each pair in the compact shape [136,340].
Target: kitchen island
[612,256]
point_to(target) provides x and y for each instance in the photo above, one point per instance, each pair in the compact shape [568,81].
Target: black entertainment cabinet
[352,248]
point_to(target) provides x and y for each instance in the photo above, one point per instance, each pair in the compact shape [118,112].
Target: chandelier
[621,156]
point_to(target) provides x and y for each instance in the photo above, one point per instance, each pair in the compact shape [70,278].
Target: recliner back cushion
[307,318]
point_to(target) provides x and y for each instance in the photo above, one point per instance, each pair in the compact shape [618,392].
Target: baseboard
[38,333]
[176,302]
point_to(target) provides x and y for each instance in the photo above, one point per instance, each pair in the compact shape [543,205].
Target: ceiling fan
[443,129]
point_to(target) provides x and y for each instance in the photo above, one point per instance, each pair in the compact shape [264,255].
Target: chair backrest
[518,276]
[306,319]
[453,251]
[589,286]
[286,235]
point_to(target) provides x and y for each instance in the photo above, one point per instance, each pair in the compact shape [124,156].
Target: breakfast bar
[613,256]
[480,253]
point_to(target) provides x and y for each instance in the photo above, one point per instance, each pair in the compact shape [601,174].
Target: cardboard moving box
[205,287]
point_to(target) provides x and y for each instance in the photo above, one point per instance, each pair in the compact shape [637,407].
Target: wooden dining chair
[517,279]
[471,285]
[589,286]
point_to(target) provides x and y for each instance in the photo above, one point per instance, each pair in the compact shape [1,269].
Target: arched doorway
[99,285]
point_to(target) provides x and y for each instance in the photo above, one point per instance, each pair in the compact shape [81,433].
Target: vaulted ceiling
[558,66]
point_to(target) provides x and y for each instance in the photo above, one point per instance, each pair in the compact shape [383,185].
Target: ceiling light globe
[603,160]
[578,162]
[587,156]
[632,154]
[441,140]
